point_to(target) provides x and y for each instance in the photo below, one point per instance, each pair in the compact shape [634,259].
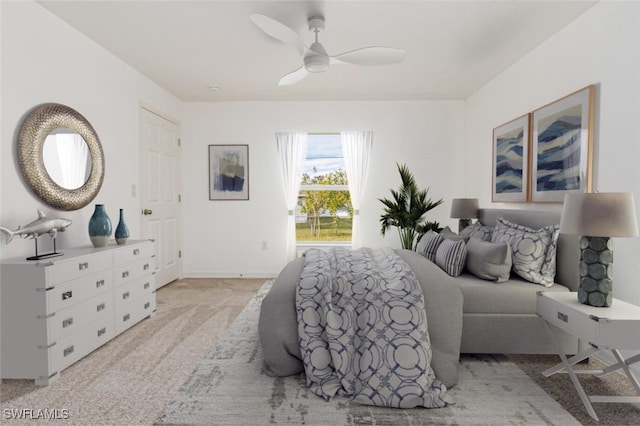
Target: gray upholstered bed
[465,314]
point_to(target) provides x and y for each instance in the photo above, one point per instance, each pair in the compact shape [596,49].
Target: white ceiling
[453,47]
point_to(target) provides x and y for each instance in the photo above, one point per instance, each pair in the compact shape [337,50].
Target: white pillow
[533,251]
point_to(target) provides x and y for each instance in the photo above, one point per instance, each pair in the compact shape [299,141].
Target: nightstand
[605,329]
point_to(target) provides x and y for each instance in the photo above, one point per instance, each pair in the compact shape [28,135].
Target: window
[324,212]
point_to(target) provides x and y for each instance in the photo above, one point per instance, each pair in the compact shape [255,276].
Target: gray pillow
[478,230]
[428,245]
[489,261]
[451,256]
[450,235]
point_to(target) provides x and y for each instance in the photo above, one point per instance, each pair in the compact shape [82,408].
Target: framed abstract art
[562,147]
[228,172]
[511,161]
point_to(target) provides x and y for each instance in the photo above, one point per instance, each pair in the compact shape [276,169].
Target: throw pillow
[451,256]
[478,230]
[489,261]
[428,245]
[450,235]
[533,251]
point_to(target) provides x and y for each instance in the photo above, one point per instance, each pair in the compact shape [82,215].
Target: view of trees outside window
[324,211]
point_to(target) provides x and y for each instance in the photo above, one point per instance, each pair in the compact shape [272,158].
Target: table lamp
[464,209]
[596,218]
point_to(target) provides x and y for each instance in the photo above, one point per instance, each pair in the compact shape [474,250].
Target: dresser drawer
[74,268]
[72,292]
[128,254]
[129,292]
[132,270]
[78,316]
[75,346]
[133,312]
[567,318]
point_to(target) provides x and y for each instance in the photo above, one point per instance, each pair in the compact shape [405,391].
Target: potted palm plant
[406,209]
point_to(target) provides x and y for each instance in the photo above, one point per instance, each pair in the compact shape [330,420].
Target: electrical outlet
[264,245]
[133,190]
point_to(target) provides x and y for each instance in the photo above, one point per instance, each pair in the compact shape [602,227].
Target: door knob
[147,212]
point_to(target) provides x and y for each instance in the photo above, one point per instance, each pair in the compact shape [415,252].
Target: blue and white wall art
[228,172]
[511,160]
[562,147]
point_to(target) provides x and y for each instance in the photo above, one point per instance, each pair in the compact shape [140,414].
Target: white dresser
[55,311]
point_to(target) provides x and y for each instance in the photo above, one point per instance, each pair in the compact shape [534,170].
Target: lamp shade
[464,208]
[602,214]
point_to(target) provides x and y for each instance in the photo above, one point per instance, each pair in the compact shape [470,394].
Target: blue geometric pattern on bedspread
[363,329]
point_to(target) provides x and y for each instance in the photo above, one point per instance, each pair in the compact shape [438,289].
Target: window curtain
[292,148]
[73,154]
[356,149]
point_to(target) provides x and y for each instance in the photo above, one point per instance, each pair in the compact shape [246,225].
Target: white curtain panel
[356,148]
[73,154]
[292,148]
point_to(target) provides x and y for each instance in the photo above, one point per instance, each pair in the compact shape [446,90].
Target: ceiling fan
[315,58]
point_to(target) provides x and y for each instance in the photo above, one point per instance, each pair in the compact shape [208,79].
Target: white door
[160,180]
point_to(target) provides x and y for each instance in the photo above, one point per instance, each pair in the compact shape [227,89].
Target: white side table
[605,329]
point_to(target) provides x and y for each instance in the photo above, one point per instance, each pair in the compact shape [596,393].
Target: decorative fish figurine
[42,225]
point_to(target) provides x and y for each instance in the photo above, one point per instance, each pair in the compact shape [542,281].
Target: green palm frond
[406,208]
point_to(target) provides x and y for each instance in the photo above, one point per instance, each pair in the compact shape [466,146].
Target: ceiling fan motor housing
[316,59]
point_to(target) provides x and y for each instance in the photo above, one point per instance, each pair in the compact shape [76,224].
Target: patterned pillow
[478,230]
[533,251]
[428,245]
[451,256]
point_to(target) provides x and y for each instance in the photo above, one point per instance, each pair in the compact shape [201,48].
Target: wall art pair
[542,155]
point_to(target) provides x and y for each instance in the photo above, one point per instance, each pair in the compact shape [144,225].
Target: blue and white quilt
[363,329]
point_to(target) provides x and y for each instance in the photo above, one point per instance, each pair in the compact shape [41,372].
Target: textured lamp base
[596,271]
[463,223]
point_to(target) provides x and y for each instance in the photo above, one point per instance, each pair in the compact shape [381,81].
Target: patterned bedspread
[363,329]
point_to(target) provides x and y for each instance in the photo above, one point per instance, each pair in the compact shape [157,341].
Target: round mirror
[60,156]
[66,158]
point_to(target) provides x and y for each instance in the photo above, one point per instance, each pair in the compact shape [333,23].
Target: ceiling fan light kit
[315,58]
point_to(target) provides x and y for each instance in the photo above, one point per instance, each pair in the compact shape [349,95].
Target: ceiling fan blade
[375,55]
[278,31]
[293,77]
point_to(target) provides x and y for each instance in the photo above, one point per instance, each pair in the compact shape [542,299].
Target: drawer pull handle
[126,318]
[146,286]
[66,323]
[563,317]
[146,266]
[125,295]
[67,295]
[102,331]
[136,252]
[99,283]
[68,351]
[100,307]
[125,274]
[82,266]
[146,305]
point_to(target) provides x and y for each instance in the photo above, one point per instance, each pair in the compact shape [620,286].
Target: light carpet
[230,387]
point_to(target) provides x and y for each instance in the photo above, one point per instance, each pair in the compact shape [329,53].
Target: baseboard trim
[208,274]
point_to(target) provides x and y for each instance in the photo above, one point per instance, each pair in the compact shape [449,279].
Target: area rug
[229,387]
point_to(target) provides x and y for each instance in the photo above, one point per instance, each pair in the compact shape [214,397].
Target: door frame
[150,108]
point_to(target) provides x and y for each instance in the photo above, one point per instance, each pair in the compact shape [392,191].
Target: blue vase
[99,227]
[122,232]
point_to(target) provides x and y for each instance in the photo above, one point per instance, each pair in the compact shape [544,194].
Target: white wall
[45,60]
[601,47]
[222,238]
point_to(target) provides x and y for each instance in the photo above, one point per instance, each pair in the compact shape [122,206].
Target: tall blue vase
[122,232]
[99,227]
